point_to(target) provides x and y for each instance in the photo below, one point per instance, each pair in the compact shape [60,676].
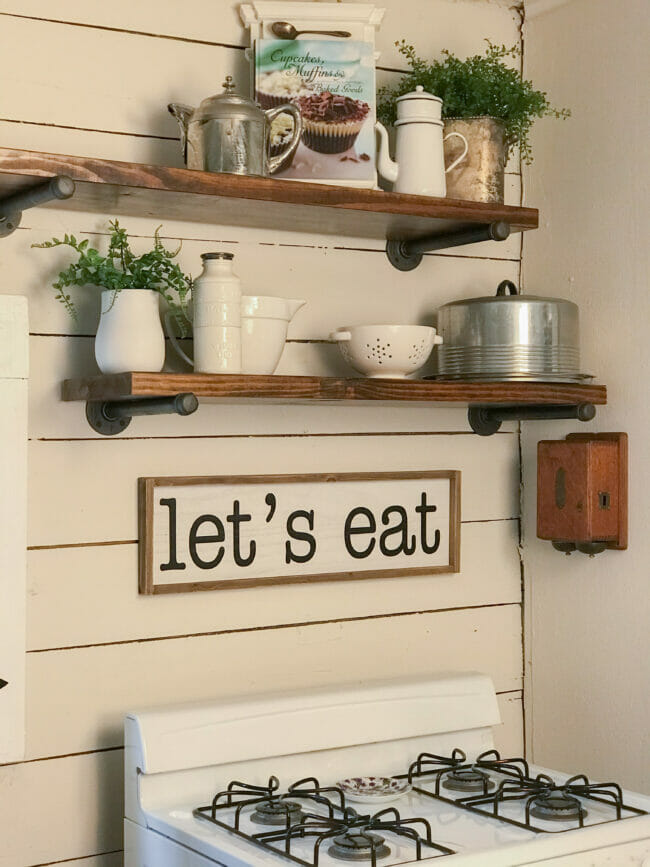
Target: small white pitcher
[264,323]
[419,165]
[129,335]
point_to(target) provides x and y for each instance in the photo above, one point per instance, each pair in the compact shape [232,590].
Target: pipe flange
[481,421]
[101,422]
[9,223]
[400,258]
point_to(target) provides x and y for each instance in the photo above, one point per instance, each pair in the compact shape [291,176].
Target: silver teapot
[230,133]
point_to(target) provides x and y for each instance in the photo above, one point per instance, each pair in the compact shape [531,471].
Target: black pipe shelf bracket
[110,417]
[12,207]
[407,255]
[486,420]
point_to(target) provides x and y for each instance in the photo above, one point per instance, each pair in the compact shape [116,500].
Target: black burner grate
[542,797]
[340,831]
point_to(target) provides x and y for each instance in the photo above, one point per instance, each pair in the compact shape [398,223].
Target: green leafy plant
[121,269]
[479,85]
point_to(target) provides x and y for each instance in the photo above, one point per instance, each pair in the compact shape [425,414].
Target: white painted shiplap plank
[129,96]
[77,698]
[102,584]
[88,493]
[62,809]
[341,286]
[217,22]
[459,26]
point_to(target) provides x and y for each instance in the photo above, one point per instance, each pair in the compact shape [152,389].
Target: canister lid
[419,105]
[228,105]
[218,255]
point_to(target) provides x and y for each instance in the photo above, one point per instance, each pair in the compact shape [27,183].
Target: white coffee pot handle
[173,340]
[464,153]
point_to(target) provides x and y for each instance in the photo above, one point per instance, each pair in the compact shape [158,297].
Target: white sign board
[203,533]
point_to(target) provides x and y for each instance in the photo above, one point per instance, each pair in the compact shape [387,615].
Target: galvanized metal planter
[479,177]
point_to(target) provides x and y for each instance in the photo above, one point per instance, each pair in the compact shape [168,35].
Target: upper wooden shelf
[162,192]
[288,388]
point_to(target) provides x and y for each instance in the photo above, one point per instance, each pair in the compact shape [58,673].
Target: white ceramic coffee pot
[419,165]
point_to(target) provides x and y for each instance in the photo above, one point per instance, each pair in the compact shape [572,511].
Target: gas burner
[277,811]
[455,773]
[549,801]
[557,805]
[468,779]
[358,844]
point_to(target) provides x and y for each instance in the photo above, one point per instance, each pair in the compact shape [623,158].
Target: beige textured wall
[96,81]
[587,636]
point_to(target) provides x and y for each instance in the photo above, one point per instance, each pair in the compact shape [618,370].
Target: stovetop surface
[452,827]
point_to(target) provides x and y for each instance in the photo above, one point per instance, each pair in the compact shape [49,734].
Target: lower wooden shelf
[291,388]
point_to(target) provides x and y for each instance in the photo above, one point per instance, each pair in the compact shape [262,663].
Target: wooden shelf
[165,193]
[300,388]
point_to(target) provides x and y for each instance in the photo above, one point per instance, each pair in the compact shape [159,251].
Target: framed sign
[214,532]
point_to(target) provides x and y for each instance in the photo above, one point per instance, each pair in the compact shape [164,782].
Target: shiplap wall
[90,78]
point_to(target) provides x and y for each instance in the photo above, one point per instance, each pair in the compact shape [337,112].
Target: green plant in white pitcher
[121,269]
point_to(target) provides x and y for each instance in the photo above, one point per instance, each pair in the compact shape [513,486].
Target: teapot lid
[228,104]
[419,105]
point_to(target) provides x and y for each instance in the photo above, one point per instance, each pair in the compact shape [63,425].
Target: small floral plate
[373,790]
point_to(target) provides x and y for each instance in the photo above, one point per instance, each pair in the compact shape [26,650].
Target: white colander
[386,351]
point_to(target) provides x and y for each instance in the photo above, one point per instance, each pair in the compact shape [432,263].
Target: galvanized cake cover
[510,337]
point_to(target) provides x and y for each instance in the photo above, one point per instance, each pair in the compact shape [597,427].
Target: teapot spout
[386,166]
[182,113]
[293,306]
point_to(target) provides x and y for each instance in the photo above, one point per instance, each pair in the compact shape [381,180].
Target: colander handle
[506,286]
[340,335]
[437,340]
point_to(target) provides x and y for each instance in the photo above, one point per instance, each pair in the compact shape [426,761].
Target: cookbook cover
[333,85]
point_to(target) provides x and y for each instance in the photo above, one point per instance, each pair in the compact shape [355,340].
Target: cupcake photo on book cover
[333,85]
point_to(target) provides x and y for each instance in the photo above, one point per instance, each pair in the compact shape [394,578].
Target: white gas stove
[257,782]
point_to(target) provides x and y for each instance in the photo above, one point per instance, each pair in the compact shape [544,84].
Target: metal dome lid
[228,105]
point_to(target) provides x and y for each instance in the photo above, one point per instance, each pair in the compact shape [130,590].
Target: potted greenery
[484,99]
[129,336]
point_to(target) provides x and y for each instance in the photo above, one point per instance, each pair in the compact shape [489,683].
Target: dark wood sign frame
[146,492]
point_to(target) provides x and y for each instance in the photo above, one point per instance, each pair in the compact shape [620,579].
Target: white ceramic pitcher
[264,323]
[129,335]
[419,166]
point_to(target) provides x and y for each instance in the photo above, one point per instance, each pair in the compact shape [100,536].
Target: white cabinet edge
[14,332]
[14,339]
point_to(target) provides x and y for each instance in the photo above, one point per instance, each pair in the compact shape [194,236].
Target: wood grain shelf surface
[163,192]
[299,388]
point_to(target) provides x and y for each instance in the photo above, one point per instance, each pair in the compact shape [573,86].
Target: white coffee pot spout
[386,167]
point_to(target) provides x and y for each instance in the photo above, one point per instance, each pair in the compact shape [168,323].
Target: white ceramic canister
[129,335]
[216,301]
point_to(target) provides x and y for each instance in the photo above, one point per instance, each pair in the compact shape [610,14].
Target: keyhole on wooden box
[560,488]
[604,500]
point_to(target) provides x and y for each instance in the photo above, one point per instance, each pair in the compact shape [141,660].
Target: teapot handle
[275,162]
[172,338]
[464,153]
[182,113]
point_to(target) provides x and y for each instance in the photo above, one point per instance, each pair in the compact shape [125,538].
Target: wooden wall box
[582,489]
